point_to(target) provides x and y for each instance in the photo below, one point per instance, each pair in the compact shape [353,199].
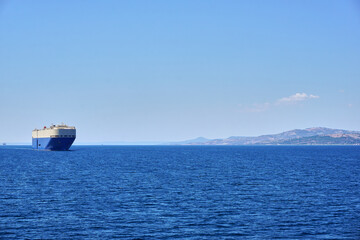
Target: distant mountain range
[308,136]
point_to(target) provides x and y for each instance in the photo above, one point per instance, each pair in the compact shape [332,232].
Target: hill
[308,136]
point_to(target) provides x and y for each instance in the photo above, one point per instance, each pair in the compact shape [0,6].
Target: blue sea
[180,192]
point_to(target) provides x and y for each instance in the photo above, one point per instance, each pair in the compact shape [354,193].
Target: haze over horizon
[141,71]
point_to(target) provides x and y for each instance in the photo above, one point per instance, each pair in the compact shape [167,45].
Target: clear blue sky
[175,70]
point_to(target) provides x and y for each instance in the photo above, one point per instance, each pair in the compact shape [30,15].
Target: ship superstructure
[56,137]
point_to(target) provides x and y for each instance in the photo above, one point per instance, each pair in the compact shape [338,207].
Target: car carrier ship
[54,138]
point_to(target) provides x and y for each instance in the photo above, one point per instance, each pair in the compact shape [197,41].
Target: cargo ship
[54,138]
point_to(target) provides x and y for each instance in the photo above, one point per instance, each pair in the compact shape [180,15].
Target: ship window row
[60,136]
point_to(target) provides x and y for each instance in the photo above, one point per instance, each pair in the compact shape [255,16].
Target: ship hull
[52,144]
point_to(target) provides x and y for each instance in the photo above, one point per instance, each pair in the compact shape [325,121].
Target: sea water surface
[180,192]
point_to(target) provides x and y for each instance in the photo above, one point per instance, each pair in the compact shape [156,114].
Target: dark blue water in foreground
[184,192]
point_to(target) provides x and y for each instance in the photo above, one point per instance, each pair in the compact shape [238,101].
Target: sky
[142,71]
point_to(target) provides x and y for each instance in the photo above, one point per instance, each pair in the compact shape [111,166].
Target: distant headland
[308,136]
